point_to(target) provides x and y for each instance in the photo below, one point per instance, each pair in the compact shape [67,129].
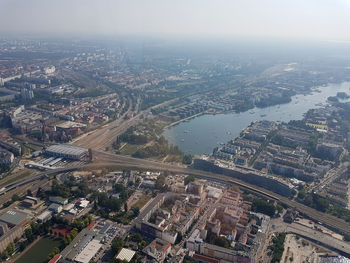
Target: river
[202,134]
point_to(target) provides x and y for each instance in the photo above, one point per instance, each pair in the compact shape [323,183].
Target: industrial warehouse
[67,151]
[58,156]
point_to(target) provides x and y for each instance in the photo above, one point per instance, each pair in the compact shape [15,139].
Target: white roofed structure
[88,252]
[125,254]
[67,151]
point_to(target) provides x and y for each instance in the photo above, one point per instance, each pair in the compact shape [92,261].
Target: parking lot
[108,231]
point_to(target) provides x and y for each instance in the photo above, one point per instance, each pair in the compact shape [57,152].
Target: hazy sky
[321,19]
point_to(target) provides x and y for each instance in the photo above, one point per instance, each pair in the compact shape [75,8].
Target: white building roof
[88,252]
[214,192]
[73,211]
[70,124]
[66,149]
[125,254]
[68,207]
[44,215]
[84,203]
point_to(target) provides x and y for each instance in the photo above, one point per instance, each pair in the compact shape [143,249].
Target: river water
[202,134]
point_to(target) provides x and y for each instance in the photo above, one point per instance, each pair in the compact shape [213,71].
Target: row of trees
[10,249]
[278,247]
[323,205]
[68,238]
[53,252]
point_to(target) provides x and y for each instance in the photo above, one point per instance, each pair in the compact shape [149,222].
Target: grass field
[129,149]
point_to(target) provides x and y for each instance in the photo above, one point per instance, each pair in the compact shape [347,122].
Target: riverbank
[18,256]
[201,134]
[208,112]
[185,119]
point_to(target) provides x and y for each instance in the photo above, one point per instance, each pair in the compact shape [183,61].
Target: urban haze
[174,131]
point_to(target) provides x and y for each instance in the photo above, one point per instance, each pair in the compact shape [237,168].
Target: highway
[315,236]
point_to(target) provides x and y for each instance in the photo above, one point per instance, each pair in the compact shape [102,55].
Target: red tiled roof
[166,248]
[62,231]
[56,258]
[91,225]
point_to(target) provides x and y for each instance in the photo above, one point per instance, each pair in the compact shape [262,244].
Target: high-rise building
[27,93]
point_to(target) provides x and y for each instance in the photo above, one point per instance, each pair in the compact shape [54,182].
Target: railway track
[109,160]
[330,221]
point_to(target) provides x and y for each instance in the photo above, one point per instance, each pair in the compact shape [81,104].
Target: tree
[4,168]
[188,179]
[322,204]
[117,244]
[136,238]
[74,233]
[136,211]
[23,245]
[10,248]
[67,240]
[89,217]
[160,183]
[301,194]
[293,193]
[278,247]
[119,188]
[28,232]
[187,159]
[86,221]
[221,242]
[60,189]
[126,207]
[15,198]
[347,237]
[54,251]
[262,206]
[4,255]
[279,208]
